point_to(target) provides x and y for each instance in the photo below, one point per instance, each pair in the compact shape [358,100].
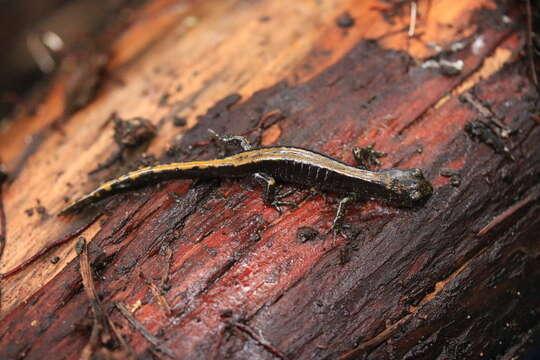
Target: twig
[484,111]
[533,195]
[86,275]
[64,239]
[3,223]
[412,24]
[120,338]
[502,130]
[530,44]
[90,291]
[217,346]
[263,342]
[166,266]
[141,329]
[89,348]
[157,294]
[3,229]
[100,317]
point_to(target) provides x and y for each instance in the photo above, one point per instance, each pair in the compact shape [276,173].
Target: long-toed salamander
[403,188]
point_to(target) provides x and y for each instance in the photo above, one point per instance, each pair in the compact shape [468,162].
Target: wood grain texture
[409,284]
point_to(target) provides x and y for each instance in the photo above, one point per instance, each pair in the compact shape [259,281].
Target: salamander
[399,187]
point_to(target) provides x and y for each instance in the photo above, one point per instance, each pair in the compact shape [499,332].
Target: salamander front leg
[337,224]
[367,157]
[224,140]
[269,191]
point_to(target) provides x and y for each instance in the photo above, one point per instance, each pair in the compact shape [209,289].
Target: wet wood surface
[210,271]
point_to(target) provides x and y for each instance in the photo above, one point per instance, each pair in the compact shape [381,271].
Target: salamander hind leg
[223,140]
[367,157]
[269,191]
[338,222]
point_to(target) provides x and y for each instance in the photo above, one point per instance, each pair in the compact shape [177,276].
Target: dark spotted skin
[404,188]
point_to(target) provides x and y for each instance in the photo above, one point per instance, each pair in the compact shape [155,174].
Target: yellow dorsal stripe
[265,154]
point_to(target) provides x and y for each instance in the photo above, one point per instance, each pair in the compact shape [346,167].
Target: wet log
[205,269]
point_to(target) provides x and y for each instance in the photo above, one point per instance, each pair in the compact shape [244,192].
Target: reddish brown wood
[411,284]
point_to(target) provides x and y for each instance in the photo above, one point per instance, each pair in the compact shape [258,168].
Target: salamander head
[408,187]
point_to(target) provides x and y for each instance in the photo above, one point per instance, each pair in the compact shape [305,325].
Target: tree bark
[454,278]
